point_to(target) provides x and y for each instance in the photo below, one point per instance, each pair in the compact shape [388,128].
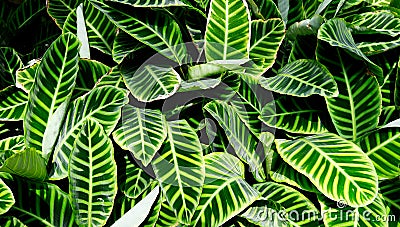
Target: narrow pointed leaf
[13,104]
[332,163]
[227,33]
[302,78]
[92,175]
[180,169]
[225,192]
[6,197]
[54,82]
[142,132]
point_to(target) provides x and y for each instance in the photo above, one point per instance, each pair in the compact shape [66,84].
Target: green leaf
[336,33]
[92,175]
[156,30]
[372,48]
[152,3]
[180,169]
[90,72]
[112,78]
[266,213]
[60,9]
[292,115]
[6,197]
[26,76]
[54,82]
[292,200]
[100,31]
[227,34]
[225,192]
[381,147]
[378,22]
[12,143]
[302,78]
[266,38]
[47,204]
[357,108]
[13,104]
[142,132]
[124,44]
[264,9]
[389,190]
[102,104]
[337,167]
[25,14]
[9,64]
[27,163]
[11,221]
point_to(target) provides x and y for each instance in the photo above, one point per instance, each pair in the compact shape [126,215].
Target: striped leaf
[266,38]
[180,169]
[338,214]
[381,146]
[100,31]
[152,82]
[152,3]
[373,48]
[378,22]
[60,9]
[299,10]
[124,44]
[9,64]
[390,190]
[112,78]
[142,132]
[225,192]
[102,104]
[357,108]
[264,9]
[13,104]
[166,216]
[227,34]
[156,30]
[388,114]
[292,115]
[132,180]
[337,34]
[26,76]
[302,78]
[332,163]
[25,14]
[92,175]
[240,138]
[292,201]
[266,213]
[54,82]
[48,205]
[27,163]
[8,221]
[6,197]
[12,143]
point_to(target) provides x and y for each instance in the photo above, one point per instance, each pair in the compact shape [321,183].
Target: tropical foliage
[200,113]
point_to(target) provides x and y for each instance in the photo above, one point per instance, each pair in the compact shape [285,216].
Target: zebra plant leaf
[357,108]
[292,115]
[11,221]
[6,197]
[92,175]
[12,143]
[330,162]
[26,76]
[142,132]
[225,192]
[266,38]
[180,169]
[381,22]
[266,213]
[10,62]
[27,163]
[227,34]
[156,30]
[370,215]
[102,104]
[151,82]
[373,48]
[389,190]
[44,199]
[54,83]
[124,44]
[25,14]
[60,9]
[302,78]
[381,148]
[100,31]
[292,201]
[152,3]
[336,33]
[13,104]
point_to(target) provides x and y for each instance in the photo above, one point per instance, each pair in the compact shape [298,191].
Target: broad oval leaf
[142,132]
[6,197]
[102,104]
[302,78]
[54,83]
[13,104]
[381,146]
[337,167]
[92,175]
[225,192]
[60,9]
[180,169]
[357,108]
[151,82]
[227,34]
